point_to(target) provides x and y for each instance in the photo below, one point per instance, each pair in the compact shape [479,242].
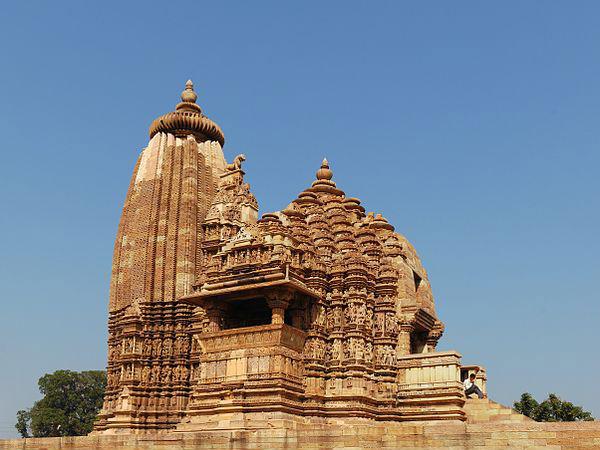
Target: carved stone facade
[220,319]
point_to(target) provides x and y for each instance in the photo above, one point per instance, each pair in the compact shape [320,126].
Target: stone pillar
[434,336]
[278,302]
[405,328]
[214,313]
[278,311]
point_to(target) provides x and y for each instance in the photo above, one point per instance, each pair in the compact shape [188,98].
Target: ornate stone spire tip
[189,95]
[324,173]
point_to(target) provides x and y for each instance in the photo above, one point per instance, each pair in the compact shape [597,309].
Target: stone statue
[237,163]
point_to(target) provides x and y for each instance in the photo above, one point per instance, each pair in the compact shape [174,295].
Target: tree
[70,404]
[23,425]
[553,409]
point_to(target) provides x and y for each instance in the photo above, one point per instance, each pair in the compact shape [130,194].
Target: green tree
[23,425]
[70,404]
[553,409]
[527,406]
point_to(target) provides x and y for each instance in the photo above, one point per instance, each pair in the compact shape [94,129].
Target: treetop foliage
[553,409]
[70,404]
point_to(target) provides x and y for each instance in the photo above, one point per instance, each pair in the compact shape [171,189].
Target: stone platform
[489,426]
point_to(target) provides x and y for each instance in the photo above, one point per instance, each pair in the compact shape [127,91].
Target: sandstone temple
[309,327]
[218,316]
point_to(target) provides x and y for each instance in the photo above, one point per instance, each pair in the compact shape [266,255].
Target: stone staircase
[487,411]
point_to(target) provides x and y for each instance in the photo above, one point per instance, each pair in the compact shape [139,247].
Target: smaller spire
[324,173]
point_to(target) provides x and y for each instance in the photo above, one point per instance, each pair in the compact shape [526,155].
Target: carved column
[405,328]
[278,302]
[434,336]
[214,313]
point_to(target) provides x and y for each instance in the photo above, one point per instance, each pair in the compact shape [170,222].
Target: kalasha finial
[189,95]
[324,173]
[188,99]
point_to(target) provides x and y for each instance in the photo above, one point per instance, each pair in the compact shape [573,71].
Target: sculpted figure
[155,375]
[337,317]
[336,350]
[351,314]
[377,356]
[156,347]
[147,347]
[237,163]
[359,350]
[391,325]
[321,354]
[361,314]
[388,356]
[330,320]
[369,318]
[167,374]
[145,374]
[320,316]
[369,352]
[167,350]
[348,349]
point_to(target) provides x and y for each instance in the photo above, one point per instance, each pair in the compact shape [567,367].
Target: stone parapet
[429,386]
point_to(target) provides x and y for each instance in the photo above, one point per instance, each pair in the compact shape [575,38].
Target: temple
[219,319]
[313,327]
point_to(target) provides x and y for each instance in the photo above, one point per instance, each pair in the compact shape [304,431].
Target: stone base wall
[359,434]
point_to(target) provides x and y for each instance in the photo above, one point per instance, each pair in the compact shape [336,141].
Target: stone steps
[488,411]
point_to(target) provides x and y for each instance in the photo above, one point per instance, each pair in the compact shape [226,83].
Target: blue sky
[472,126]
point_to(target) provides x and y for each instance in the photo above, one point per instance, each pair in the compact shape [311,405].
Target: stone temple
[218,317]
[313,327]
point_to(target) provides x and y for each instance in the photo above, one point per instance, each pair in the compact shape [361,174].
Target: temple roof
[188,119]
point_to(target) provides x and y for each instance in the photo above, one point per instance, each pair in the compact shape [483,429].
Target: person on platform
[471,388]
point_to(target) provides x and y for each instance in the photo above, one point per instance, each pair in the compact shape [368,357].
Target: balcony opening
[247,313]
[418,342]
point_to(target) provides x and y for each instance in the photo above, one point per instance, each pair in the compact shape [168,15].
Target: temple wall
[356,435]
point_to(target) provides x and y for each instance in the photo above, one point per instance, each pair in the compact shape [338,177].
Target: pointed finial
[324,173]
[189,95]
[188,99]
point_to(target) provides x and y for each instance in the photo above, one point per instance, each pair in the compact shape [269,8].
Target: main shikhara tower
[221,320]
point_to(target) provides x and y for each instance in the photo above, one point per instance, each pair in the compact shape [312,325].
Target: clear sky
[473,127]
